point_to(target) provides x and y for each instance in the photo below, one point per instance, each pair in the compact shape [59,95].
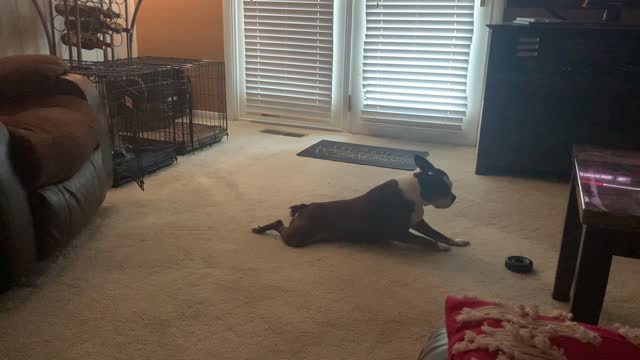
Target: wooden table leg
[568,258]
[592,275]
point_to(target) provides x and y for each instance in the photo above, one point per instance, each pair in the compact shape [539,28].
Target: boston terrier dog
[385,213]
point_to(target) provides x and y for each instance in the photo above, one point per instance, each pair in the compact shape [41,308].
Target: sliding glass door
[415,69]
[402,68]
[289,62]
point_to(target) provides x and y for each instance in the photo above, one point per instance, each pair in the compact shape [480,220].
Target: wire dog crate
[206,123]
[144,105]
[158,108]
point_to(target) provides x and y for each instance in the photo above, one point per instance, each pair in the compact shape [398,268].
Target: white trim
[496,17]
[478,76]
[229,10]
[477,70]
[355,125]
[342,35]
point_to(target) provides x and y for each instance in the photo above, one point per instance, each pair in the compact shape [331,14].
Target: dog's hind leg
[276,225]
[296,235]
[295,209]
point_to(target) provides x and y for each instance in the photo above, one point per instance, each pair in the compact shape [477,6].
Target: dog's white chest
[410,188]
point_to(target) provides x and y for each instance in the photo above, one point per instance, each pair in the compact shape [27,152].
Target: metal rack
[91,25]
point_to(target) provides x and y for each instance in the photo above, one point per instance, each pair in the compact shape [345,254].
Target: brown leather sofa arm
[80,86]
[25,76]
[17,240]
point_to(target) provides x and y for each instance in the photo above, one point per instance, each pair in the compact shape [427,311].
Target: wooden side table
[602,221]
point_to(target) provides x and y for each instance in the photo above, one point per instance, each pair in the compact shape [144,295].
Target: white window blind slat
[289,78]
[385,60]
[302,50]
[413,84]
[291,85]
[416,60]
[312,110]
[451,73]
[263,28]
[424,54]
[287,39]
[265,5]
[380,74]
[276,20]
[284,92]
[288,47]
[295,58]
[429,40]
[269,41]
[417,49]
[436,16]
[288,65]
[417,91]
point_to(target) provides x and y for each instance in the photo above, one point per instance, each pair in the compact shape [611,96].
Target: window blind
[288,49]
[416,59]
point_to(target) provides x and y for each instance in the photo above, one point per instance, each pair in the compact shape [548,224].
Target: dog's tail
[295,209]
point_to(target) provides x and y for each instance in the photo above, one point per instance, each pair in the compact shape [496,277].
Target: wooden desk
[602,221]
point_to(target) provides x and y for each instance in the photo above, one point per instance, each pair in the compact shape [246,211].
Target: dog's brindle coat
[386,213]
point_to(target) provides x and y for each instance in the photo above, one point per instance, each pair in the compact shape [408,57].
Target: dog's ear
[422,163]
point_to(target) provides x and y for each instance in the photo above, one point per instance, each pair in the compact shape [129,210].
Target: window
[288,47]
[408,68]
[415,60]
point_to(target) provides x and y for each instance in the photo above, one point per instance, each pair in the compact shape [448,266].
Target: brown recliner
[55,160]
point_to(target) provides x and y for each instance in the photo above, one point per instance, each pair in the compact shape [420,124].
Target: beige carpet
[174,273]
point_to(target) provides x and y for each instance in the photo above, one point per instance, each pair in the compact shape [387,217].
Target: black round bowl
[519,264]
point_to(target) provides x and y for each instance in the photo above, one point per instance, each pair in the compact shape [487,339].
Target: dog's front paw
[442,247]
[461,243]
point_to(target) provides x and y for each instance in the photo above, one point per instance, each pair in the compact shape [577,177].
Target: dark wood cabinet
[550,86]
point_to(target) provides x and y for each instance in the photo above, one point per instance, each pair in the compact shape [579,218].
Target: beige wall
[20,29]
[187,29]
